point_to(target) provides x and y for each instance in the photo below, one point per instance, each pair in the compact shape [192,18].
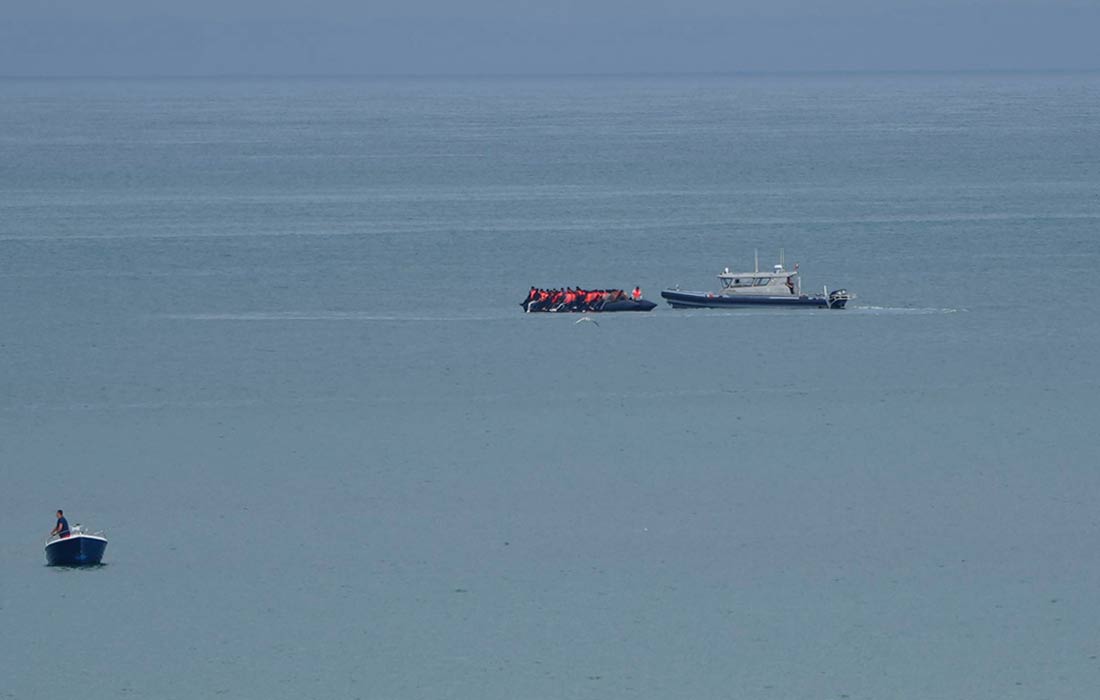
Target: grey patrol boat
[775,287]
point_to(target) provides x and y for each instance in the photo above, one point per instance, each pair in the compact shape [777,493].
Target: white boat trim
[75,532]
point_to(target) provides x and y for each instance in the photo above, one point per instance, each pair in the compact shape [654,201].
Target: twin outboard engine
[838,298]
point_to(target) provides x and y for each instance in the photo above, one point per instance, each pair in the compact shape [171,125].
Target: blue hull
[700,300]
[628,305]
[78,550]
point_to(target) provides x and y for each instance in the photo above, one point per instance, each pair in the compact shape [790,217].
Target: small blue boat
[777,287]
[78,548]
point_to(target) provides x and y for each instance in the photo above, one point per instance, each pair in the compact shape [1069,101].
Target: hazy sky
[211,37]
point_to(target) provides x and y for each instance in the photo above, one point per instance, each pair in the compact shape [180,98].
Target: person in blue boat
[62,527]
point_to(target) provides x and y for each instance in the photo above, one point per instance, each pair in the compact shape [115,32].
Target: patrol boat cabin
[775,287]
[778,282]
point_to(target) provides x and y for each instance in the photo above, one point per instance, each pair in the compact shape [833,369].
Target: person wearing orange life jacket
[636,294]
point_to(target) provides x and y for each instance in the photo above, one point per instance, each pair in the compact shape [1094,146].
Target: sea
[265,333]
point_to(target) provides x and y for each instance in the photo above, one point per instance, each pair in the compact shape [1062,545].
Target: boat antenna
[756,259]
[781,257]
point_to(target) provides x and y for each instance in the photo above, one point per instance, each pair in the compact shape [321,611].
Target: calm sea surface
[266,334]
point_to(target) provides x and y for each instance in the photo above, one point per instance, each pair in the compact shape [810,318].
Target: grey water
[266,334]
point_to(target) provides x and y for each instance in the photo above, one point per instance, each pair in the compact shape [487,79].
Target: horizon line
[556,74]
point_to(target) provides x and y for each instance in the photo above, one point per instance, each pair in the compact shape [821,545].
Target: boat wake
[902,310]
[359,316]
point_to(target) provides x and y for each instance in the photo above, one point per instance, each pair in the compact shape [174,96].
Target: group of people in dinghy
[576,299]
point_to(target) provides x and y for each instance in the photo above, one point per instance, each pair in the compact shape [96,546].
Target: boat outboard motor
[838,298]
